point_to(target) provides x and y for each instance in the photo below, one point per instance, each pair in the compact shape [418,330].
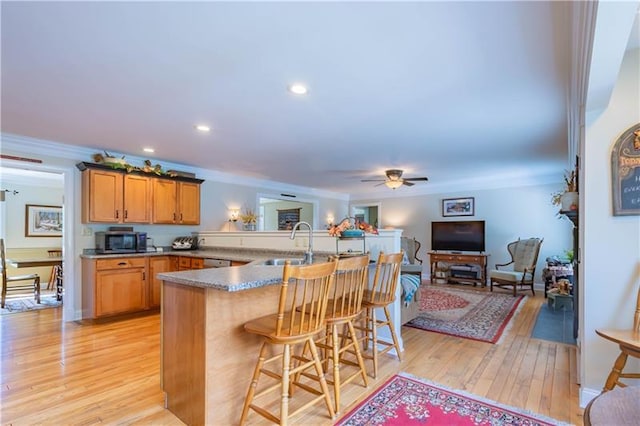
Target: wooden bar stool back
[381,294]
[300,318]
[56,270]
[34,285]
[344,306]
[629,342]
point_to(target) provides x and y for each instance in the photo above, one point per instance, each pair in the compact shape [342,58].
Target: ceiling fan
[395,180]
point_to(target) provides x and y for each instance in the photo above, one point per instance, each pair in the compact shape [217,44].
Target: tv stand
[452,258]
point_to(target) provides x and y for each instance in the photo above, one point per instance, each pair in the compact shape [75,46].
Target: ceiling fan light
[393,184]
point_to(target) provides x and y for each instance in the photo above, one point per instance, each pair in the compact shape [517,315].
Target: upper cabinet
[176,202]
[112,196]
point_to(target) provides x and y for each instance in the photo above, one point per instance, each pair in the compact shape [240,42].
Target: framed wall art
[43,221]
[458,206]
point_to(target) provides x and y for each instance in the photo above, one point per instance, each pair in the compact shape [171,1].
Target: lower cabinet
[158,264]
[113,286]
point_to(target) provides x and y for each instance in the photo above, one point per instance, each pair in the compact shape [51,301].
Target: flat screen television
[465,235]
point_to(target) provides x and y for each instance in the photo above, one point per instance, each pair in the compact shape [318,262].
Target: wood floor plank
[86,374]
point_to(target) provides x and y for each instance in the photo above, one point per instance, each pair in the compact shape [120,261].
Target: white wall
[611,253]
[14,213]
[509,214]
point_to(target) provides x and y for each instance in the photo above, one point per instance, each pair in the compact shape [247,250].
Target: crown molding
[41,147]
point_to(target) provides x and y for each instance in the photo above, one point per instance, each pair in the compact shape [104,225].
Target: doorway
[28,193]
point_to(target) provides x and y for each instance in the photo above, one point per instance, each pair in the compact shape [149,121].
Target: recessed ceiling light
[202,128]
[148,150]
[298,89]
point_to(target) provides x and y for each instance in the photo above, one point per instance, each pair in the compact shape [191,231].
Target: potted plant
[567,198]
[249,219]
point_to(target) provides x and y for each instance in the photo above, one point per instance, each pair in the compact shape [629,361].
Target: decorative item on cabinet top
[172,175]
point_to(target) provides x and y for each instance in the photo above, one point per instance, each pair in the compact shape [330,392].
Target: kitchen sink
[280,262]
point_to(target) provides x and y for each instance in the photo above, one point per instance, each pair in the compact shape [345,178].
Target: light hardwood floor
[70,373]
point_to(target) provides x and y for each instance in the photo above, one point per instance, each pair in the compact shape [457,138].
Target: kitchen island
[207,357]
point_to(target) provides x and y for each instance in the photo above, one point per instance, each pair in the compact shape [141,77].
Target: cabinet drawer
[197,263]
[184,262]
[122,262]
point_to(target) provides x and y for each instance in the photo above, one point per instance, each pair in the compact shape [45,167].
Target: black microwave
[121,242]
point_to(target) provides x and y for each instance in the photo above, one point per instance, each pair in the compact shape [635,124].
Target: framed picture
[458,206]
[43,221]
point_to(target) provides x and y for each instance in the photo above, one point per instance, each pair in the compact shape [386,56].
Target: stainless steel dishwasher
[216,263]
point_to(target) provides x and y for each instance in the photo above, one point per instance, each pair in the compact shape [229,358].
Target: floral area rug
[476,315]
[407,400]
[13,306]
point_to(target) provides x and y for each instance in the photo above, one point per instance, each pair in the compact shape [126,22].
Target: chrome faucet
[308,256]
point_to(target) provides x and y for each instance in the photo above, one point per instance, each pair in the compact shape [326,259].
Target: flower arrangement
[248,215]
[570,183]
[351,224]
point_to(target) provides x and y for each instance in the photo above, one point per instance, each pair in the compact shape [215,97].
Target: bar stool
[381,295]
[344,306]
[300,318]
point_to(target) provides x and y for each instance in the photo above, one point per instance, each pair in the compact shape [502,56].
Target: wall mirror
[280,213]
[370,213]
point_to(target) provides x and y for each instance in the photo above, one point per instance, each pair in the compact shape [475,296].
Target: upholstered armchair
[414,266]
[524,256]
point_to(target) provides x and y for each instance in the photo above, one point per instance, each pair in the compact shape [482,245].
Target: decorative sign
[625,170]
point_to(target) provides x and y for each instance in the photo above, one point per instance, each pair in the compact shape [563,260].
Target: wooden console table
[479,259]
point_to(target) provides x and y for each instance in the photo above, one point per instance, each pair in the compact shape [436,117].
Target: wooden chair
[524,256]
[617,407]
[381,294]
[51,284]
[300,318]
[629,342]
[35,285]
[344,306]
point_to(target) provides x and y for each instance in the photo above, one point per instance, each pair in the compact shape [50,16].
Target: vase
[249,226]
[569,201]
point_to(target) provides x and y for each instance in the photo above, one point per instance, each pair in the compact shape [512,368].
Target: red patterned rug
[406,400]
[476,315]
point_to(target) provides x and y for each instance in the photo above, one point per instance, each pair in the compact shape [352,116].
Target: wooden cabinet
[157,264]
[113,196]
[113,286]
[186,263]
[137,199]
[450,259]
[176,202]
[102,196]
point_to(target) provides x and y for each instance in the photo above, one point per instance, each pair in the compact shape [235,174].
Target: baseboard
[586,395]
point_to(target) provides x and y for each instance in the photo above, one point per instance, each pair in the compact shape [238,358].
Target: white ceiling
[448,90]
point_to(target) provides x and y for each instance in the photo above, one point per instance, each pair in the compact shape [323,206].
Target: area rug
[476,315]
[408,400]
[554,325]
[13,306]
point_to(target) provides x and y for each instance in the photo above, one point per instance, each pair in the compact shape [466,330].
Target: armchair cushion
[512,276]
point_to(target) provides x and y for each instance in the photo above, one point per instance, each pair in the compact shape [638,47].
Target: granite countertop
[232,278]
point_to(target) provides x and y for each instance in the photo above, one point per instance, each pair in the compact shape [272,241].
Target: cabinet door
[102,192]
[188,203]
[137,199]
[156,266]
[120,291]
[164,201]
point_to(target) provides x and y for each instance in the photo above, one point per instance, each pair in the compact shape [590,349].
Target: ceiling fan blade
[416,179]
[381,183]
[372,180]
[404,182]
